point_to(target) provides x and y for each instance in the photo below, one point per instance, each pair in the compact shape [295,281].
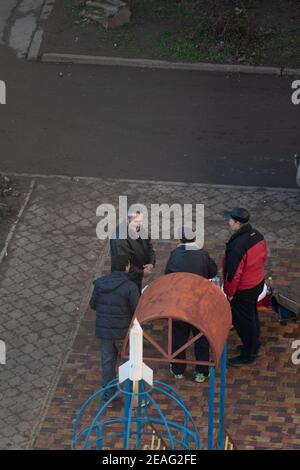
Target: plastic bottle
[216,280]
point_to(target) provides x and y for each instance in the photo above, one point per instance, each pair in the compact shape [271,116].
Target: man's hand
[147,272]
[149,267]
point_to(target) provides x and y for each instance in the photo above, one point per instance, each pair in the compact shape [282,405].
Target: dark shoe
[241,361]
[176,376]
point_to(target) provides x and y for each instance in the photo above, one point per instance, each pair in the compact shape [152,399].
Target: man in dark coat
[189,258]
[139,251]
[114,298]
[244,278]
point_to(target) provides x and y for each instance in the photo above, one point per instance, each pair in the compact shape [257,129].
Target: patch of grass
[186,46]
[191,43]
[179,46]
[228,31]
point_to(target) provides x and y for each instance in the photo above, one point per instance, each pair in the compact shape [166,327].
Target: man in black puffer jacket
[114,298]
[188,257]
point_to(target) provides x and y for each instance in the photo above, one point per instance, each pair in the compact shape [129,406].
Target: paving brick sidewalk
[263,406]
[44,281]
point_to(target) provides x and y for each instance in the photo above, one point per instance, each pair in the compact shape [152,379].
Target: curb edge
[50,57]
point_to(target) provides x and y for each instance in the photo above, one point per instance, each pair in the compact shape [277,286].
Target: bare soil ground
[256,32]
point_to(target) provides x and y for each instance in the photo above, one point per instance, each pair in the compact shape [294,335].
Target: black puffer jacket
[193,260]
[114,298]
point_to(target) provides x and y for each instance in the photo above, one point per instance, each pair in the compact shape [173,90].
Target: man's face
[127,269]
[234,225]
[136,222]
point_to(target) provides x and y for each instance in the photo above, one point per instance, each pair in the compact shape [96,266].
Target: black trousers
[180,335]
[245,319]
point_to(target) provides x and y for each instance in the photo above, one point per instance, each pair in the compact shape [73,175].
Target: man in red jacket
[244,277]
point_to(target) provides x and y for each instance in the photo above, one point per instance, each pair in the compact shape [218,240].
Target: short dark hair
[119,262]
[186,235]
[187,240]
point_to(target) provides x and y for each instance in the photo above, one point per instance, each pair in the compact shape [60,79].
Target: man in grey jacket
[139,250]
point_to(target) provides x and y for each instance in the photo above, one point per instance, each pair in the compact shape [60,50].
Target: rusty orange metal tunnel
[189,298]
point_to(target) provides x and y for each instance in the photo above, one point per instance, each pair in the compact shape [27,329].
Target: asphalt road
[147,124]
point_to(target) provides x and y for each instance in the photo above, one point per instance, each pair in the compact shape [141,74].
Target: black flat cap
[238,213]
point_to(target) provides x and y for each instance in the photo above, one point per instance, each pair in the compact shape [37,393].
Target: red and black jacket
[243,263]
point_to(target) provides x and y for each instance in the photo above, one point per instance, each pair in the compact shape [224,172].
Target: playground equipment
[181,297]
[137,424]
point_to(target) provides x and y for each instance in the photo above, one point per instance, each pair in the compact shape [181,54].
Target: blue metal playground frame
[133,425]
